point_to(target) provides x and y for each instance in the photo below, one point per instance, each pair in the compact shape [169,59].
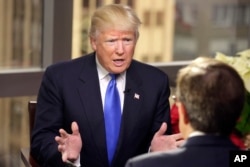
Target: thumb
[162,129]
[74,128]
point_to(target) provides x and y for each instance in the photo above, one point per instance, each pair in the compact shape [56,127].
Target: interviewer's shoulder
[157,159]
[147,160]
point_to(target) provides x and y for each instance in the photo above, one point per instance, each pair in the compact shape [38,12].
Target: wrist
[72,164]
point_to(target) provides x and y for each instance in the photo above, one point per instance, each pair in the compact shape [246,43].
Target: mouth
[118,62]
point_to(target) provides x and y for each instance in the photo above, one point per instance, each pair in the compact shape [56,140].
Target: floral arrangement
[241,62]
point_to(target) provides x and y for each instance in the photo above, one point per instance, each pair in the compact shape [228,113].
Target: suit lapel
[133,97]
[90,96]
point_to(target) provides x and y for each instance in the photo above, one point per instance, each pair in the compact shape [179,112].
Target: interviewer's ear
[182,113]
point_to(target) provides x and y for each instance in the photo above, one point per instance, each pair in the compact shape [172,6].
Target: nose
[119,47]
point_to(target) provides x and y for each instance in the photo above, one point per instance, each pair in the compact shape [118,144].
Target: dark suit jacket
[199,151]
[70,91]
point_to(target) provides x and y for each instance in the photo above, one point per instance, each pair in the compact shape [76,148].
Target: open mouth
[118,62]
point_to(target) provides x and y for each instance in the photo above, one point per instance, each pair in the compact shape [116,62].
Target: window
[31,40]
[179,30]
[21,30]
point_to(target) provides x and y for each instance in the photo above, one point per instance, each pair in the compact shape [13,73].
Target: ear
[183,113]
[93,43]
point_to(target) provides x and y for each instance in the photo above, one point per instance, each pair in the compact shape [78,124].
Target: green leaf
[243,125]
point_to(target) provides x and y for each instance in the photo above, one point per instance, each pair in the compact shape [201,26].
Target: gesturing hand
[69,145]
[161,142]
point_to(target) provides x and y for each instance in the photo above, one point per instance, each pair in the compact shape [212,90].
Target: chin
[118,70]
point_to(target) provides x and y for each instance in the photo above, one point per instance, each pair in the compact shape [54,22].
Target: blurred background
[37,33]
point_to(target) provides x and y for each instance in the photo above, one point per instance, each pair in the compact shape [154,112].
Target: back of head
[116,16]
[213,95]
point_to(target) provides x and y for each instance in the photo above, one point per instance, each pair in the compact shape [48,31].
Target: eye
[110,41]
[128,41]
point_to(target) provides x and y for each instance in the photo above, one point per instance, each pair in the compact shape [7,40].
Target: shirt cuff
[74,164]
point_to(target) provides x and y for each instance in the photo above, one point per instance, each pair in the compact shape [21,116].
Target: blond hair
[115,16]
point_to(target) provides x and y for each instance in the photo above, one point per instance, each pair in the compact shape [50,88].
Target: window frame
[57,20]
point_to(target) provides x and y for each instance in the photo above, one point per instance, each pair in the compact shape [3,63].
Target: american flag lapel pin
[136,96]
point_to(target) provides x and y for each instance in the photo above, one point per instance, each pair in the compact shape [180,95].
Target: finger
[74,128]
[180,143]
[63,133]
[59,140]
[162,129]
[64,157]
[60,148]
[177,136]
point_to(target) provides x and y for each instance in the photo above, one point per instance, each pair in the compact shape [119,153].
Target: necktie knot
[113,76]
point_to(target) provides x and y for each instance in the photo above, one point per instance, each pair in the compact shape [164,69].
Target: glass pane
[14,127]
[203,28]
[174,30]
[20,34]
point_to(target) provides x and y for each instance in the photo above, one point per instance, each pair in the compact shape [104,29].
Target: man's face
[115,49]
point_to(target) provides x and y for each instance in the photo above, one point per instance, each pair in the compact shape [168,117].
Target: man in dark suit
[72,98]
[210,98]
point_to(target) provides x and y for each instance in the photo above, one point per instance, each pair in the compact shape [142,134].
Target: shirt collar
[196,133]
[102,73]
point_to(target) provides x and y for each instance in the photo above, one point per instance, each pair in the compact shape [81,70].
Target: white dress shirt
[104,79]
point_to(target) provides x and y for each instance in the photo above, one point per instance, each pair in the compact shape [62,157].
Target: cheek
[106,49]
[130,50]
[104,54]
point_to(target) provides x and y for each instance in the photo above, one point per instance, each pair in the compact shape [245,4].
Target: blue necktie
[112,114]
